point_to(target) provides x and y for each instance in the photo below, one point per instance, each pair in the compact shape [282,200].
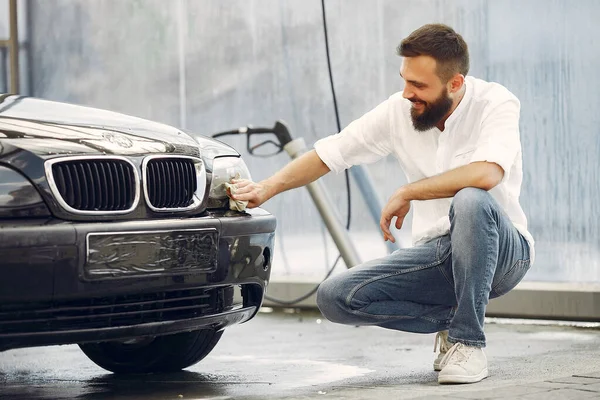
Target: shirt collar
[461,106]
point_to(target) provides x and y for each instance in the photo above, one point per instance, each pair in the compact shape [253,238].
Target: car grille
[171,182]
[114,311]
[95,185]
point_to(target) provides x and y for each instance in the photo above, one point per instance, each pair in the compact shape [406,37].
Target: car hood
[52,128]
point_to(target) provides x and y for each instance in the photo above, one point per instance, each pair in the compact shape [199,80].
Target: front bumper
[47,298]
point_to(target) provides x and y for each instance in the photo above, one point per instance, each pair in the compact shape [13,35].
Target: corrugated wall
[211,65]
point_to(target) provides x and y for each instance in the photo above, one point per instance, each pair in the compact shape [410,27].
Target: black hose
[348,194]
[336,110]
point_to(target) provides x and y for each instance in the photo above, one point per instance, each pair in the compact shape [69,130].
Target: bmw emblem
[118,139]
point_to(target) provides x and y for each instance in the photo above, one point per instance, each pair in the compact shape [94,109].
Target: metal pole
[365,185]
[327,209]
[13,47]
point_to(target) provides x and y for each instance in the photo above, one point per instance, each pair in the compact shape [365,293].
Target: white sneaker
[463,364]
[442,338]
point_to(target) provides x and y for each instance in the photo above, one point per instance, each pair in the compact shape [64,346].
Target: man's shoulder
[490,93]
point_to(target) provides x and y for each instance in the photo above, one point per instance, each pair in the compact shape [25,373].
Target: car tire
[158,354]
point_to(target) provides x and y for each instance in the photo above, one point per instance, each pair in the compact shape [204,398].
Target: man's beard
[432,113]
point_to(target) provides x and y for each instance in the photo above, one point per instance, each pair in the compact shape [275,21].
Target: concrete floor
[300,356]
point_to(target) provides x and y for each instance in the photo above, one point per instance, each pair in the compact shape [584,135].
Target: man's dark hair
[442,43]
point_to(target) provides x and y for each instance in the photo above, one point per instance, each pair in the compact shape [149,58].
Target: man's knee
[331,300]
[470,201]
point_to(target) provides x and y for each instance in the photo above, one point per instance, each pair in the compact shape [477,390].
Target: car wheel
[156,354]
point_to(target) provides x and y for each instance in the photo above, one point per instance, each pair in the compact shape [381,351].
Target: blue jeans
[445,283]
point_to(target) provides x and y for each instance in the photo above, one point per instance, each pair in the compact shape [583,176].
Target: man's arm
[302,171]
[365,140]
[482,175]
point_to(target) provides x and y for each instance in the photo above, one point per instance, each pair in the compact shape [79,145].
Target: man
[457,140]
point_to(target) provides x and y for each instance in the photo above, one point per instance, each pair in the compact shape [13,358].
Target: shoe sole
[436,367]
[463,378]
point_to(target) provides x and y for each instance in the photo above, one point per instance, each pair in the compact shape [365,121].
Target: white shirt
[484,127]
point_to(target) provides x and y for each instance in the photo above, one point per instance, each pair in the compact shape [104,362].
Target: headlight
[224,170]
[18,197]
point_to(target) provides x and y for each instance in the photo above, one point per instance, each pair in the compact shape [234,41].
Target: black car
[116,234]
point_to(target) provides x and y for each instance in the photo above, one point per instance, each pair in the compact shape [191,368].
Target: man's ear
[456,83]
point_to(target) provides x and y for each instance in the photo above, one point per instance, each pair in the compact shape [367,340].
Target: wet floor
[283,355]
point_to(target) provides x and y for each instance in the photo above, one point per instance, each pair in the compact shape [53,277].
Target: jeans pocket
[510,279]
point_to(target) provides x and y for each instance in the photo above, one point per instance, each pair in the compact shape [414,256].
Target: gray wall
[212,65]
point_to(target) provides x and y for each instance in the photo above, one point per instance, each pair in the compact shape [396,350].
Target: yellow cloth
[236,205]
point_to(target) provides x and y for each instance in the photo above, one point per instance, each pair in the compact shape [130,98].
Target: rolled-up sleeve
[364,141]
[499,140]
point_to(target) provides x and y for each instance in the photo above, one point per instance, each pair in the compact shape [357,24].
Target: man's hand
[397,206]
[254,193]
